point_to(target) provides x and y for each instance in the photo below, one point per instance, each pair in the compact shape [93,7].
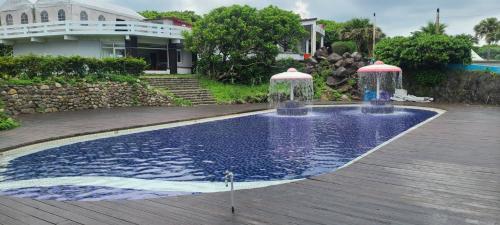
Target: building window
[61,15]
[9,20]
[102,18]
[179,56]
[24,18]
[44,17]
[84,16]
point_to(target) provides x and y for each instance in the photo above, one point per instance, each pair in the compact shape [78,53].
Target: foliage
[361,32]
[431,28]
[5,50]
[424,51]
[429,78]
[341,47]
[236,93]
[283,65]
[186,16]
[489,30]
[332,31]
[493,50]
[240,44]
[32,66]
[6,123]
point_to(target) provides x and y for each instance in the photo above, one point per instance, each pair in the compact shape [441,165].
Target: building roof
[97,5]
[10,5]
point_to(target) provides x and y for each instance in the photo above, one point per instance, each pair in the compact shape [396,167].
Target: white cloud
[302,9]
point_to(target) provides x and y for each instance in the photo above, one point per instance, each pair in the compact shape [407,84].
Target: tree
[332,31]
[489,30]
[430,28]
[361,32]
[187,16]
[285,27]
[240,43]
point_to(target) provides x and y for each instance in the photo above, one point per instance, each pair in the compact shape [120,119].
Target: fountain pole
[378,86]
[292,86]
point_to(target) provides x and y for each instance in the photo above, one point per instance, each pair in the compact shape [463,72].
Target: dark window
[61,15]
[44,17]
[84,16]
[24,18]
[179,56]
[102,18]
[9,20]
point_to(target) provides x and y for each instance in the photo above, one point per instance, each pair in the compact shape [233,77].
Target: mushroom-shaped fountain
[291,92]
[378,83]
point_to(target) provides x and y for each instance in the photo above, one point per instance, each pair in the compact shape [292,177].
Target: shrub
[341,47]
[32,66]
[429,78]
[283,65]
[424,51]
[7,123]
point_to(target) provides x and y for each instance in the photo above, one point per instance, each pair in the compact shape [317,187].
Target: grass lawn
[235,93]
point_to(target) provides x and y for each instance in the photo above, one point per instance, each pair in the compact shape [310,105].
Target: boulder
[345,98]
[360,64]
[340,72]
[58,85]
[321,54]
[12,92]
[339,63]
[344,88]
[44,87]
[335,82]
[357,56]
[347,55]
[334,57]
[349,61]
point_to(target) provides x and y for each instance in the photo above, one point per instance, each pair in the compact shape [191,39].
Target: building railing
[91,28]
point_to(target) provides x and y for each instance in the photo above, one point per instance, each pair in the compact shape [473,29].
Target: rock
[340,63]
[58,85]
[347,55]
[348,61]
[344,88]
[360,64]
[44,87]
[28,111]
[321,54]
[334,57]
[345,98]
[340,72]
[312,61]
[357,56]
[12,91]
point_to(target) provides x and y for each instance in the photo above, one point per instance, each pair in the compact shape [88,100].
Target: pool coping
[30,149]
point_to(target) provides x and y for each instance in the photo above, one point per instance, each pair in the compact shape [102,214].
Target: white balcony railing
[91,28]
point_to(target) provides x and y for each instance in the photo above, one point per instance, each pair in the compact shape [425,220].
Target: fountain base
[378,107]
[292,108]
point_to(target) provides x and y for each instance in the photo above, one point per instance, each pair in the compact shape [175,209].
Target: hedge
[424,51]
[341,47]
[75,66]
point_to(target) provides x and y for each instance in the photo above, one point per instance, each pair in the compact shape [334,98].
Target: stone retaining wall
[469,87]
[54,98]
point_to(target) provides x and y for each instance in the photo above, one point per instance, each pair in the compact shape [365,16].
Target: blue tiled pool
[257,148]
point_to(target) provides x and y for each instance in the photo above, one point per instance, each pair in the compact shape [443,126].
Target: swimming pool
[261,148]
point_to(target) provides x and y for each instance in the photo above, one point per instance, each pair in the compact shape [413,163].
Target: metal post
[229,177]
[292,94]
[374,34]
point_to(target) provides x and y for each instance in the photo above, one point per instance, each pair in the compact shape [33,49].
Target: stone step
[185,88]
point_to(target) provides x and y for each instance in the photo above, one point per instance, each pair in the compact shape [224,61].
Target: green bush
[424,51]
[32,66]
[341,47]
[497,57]
[283,65]
[7,123]
[429,78]
[236,93]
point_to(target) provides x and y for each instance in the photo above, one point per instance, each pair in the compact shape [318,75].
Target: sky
[395,17]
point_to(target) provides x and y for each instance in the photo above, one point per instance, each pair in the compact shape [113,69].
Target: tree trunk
[489,52]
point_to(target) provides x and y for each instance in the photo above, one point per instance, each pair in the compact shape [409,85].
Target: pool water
[257,148]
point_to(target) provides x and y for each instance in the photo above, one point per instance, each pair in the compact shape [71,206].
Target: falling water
[377,89]
[291,96]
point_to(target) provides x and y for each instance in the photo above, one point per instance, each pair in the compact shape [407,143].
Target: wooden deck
[445,172]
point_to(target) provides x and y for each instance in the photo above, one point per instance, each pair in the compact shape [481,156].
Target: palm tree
[489,30]
[430,28]
[361,32]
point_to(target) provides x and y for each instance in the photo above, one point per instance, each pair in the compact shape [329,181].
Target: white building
[314,40]
[92,28]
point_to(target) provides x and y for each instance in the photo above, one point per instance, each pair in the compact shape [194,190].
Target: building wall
[85,48]
[73,13]
[16,15]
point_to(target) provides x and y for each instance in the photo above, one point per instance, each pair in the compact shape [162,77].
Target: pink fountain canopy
[379,66]
[292,74]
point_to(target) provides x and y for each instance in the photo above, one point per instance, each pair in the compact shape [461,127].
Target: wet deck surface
[445,172]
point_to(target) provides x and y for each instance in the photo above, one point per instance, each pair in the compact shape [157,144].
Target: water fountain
[378,83]
[291,92]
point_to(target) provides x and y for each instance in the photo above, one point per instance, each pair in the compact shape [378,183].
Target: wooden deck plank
[51,218]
